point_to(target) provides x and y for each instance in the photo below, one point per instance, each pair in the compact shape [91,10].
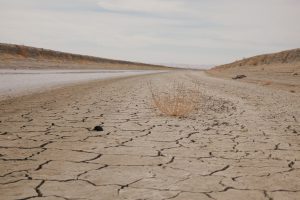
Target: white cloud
[143,6]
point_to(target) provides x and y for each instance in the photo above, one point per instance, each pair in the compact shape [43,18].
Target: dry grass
[177,100]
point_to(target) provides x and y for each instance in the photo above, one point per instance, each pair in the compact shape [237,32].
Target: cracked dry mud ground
[243,142]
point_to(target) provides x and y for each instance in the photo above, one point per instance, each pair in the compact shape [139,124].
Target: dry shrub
[176,101]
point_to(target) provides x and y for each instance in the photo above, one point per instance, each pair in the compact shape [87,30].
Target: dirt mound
[19,56]
[284,57]
[279,70]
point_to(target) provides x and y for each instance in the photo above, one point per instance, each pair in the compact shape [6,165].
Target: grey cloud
[164,31]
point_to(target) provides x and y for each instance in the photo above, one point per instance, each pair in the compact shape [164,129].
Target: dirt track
[242,143]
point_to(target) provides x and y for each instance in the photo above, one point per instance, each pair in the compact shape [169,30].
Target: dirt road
[243,142]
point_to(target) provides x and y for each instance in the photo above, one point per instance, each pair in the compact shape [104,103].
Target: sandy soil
[284,76]
[243,142]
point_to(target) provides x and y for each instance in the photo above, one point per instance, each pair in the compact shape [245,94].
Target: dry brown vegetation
[178,100]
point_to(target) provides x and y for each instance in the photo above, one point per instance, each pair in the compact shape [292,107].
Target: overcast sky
[154,31]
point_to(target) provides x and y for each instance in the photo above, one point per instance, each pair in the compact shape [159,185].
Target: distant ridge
[19,56]
[284,57]
[277,70]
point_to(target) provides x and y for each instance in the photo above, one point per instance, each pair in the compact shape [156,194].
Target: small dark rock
[207,129]
[291,164]
[98,128]
[294,131]
[225,123]
[216,123]
[295,74]
[52,124]
[239,77]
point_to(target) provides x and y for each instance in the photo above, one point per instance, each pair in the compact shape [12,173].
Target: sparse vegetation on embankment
[25,57]
[277,70]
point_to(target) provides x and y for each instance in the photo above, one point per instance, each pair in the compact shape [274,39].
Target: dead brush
[176,101]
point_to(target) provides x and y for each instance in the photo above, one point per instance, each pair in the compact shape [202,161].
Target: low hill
[275,70]
[25,57]
[284,57]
